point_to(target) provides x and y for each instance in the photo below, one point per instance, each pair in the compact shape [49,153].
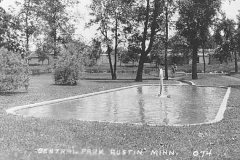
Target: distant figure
[174,69]
[26,84]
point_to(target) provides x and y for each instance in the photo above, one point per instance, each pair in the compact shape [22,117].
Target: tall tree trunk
[55,42]
[140,67]
[55,46]
[166,41]
[26,24]
[116,45]
[236,63]
[54,30]
[194,62]
[120,61]
[145,51]
[204,62]
[110,62]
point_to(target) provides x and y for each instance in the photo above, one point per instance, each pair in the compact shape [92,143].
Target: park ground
[33,138]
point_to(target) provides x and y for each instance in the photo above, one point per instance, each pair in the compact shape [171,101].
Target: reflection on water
[141,104]
[186,105]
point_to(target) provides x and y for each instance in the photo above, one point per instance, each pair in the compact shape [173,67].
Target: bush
[68,68]
[89,62]
[14,71]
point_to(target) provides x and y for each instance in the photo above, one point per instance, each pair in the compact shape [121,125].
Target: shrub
[14,71]
[68,68]
[88,62]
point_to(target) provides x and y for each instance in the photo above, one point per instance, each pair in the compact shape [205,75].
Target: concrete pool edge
[188,82]
[218,117]
[223,107]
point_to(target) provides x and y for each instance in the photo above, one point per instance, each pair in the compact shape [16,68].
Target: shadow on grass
[234,86]
[75,84]
[113,81]
[9,93]
[118,80]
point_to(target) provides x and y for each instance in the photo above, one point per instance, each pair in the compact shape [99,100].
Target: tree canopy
[9,32]
[224,38]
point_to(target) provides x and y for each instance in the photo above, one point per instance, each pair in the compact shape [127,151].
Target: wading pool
[181,105]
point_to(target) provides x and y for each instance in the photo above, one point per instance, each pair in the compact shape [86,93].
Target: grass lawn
[224,67]
[33,138]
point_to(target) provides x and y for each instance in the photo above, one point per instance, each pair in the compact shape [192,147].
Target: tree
[92,53]
[100,10]
[27,18]
[207,42]
[130,56]
[146,21]
[9,32]
[42,51]
[224,38]
[157,53]
[180,47]
[110,15]
[13,68]
[122,51]
[96,49]
[237,43]
[204,36]
[195,16]
[170,8]
[58,29]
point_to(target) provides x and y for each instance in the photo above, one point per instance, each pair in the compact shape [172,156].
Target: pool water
[185,105]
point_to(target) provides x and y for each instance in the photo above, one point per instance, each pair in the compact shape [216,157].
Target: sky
[230,8]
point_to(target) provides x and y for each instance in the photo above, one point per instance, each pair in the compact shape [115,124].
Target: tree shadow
[234,86]
[114,81]
[11,93]
[121,80]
